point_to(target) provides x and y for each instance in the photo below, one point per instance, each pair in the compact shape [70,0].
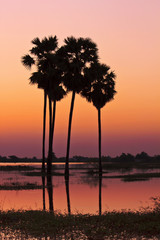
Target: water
[85,193]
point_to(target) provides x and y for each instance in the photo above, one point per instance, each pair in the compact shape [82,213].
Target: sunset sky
[127,33]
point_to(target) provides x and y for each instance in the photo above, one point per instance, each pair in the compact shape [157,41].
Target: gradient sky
[127,33]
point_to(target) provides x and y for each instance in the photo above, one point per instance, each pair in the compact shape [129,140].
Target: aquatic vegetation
[17,168]
[136,176]
[20,186]
[40,173]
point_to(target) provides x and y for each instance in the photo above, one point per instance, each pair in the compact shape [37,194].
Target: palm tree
[74,57]
[100,91]
[40,53]
[55,92]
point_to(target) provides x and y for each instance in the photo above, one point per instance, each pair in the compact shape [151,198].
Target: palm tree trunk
[99,130]
[44,131]
[69,135]
[49,160]
[43,148]
[53,121]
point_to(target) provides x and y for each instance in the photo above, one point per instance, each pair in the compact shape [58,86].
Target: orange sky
[127,34]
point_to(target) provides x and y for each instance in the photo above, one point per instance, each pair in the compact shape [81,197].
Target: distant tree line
[143,156]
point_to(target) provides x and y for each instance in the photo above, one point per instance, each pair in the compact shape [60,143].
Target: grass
[16,168]
[40,173]
[116,225]
[126,177]
[136,176]
[19,186]
[131,165]
[132,179]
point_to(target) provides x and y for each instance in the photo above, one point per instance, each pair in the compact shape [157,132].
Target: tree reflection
[50,192]
[100,193]
[43,192]
[67,194]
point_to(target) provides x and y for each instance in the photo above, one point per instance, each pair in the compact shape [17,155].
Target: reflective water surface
[84,192]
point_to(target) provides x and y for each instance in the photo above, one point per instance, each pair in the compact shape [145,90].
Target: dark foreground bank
[111,225]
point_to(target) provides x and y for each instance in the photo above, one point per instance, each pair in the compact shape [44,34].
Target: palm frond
[49,44]
[36,41]
[27,61]
[37,51]
[76,56]
[36,77]
[102,89]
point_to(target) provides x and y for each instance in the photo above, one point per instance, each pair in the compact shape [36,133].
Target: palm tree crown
[74,57]
[48,76]
[100,90]
[101,85]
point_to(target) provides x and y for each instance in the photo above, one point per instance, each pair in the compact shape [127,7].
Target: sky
[127,34]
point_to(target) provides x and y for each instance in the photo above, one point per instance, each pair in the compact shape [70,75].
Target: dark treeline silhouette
[74,67]
[122,158]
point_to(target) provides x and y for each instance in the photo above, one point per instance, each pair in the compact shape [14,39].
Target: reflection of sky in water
[84,191]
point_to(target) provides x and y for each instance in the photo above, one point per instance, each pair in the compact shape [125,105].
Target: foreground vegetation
[115,225]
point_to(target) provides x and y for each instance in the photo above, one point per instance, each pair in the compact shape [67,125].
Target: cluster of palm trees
[72,67]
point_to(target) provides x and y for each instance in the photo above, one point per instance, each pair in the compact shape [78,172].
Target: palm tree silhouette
[75,56]
[48,78]
[100,91]
[47,65]
[28,61]
[55,93]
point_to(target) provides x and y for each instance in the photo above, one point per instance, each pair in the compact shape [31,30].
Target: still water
[84,193]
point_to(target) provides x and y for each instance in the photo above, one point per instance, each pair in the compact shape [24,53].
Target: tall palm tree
[39,53]
[55,92]
[75,56]
[100,91]
[28,61]
[50,76]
